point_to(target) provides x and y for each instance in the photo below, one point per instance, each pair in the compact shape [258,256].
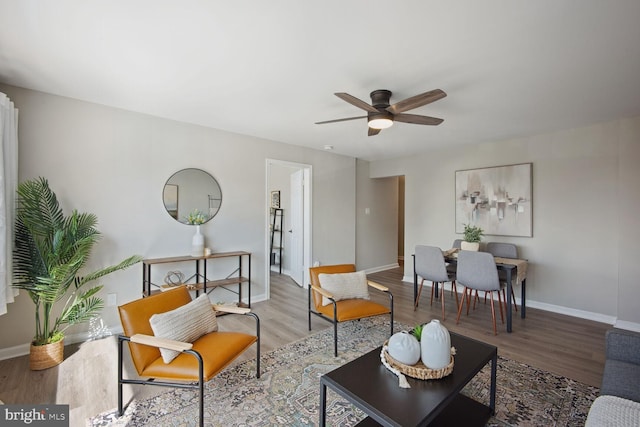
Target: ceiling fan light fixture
[382,123]
[380,120]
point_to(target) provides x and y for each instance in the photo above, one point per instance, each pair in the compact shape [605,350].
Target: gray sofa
[619,400]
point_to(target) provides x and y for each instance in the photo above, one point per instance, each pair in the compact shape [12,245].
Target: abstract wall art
[498,199]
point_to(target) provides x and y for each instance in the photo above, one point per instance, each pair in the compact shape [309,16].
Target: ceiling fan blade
[417,120]
[373,131]
[416,101]
[356,102]
[341,120]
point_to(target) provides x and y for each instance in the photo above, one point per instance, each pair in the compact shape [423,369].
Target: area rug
[287,393]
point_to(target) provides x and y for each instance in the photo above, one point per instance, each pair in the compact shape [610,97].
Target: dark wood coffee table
[367,384]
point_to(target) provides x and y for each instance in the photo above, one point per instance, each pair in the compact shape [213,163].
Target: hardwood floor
[86,380]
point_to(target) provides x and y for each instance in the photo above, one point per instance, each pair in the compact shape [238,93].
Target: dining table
[512,267]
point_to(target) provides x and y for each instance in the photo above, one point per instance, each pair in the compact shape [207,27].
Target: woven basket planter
[419,371]
[46,356]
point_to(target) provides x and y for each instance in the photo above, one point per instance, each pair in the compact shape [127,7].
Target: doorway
[290,184]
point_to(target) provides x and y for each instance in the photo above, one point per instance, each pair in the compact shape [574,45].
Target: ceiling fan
[381,115]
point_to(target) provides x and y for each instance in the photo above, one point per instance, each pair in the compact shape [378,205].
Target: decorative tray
[419,370]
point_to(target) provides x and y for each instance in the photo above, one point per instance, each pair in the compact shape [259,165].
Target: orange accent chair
[198,361]
[346,309]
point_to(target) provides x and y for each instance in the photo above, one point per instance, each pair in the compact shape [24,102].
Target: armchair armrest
[322,291]
[231,309]
[377,286]
[154,341]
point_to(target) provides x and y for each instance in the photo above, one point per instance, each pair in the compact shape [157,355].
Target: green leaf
[50,253]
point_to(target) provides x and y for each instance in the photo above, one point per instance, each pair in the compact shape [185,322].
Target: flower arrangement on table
[196,217]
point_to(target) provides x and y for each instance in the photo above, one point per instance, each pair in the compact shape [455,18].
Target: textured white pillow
[186,323]
[344,285]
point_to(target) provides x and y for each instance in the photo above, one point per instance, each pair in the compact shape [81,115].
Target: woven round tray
[419,370]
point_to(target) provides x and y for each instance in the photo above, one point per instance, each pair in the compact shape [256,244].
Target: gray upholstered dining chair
[429,264]
[478,271]
[504,250]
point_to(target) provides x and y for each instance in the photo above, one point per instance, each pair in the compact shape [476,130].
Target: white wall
[377,230]
[583,256]
[114,163]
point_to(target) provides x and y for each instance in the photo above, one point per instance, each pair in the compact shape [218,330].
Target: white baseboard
[630,326]
[582,314]
[23,349]
[382,268]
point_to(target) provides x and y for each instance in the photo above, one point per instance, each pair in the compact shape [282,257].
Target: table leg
[323,404]
[508,298]
[415,280]
[494,369]
[523,298]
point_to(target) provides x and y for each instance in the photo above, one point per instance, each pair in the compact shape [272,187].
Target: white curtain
[8,186]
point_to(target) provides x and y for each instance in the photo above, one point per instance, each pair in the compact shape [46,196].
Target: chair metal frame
[311,288]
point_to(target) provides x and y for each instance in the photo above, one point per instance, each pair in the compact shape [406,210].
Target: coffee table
[368,385]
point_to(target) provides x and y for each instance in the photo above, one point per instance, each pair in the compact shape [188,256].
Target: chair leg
[335,330]
[454,289]
[469,301]
[493,315]
[513,295]
[415,303]
[309,306]
[201,399]
[464,294]
[433,288]
[120,406]
[500,302]
[442,298]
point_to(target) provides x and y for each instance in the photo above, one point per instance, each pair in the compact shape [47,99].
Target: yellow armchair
[343,310]
[198,361]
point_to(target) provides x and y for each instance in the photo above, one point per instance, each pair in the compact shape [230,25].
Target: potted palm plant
[50,251]
[471,238]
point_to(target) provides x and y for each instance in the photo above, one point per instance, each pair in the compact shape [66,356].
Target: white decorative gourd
[435,345]
[404,348]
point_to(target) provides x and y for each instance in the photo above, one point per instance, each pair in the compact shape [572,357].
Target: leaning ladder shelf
[277,216]
[202,283]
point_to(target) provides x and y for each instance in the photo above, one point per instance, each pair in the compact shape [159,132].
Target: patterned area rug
[287,393]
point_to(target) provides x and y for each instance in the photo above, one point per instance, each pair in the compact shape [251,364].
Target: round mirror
[192,196]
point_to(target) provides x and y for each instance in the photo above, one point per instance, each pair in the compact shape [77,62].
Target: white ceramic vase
[197,243]
[404,347]
[435,344]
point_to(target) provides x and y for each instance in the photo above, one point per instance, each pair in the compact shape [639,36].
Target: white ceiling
[269,69]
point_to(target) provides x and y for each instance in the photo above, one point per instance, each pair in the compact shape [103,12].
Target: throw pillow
[186,323]
[344,285]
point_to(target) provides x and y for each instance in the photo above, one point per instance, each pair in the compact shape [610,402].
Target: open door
[297,227]
[293,180]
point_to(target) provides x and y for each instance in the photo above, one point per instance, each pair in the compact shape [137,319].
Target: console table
[201,282]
